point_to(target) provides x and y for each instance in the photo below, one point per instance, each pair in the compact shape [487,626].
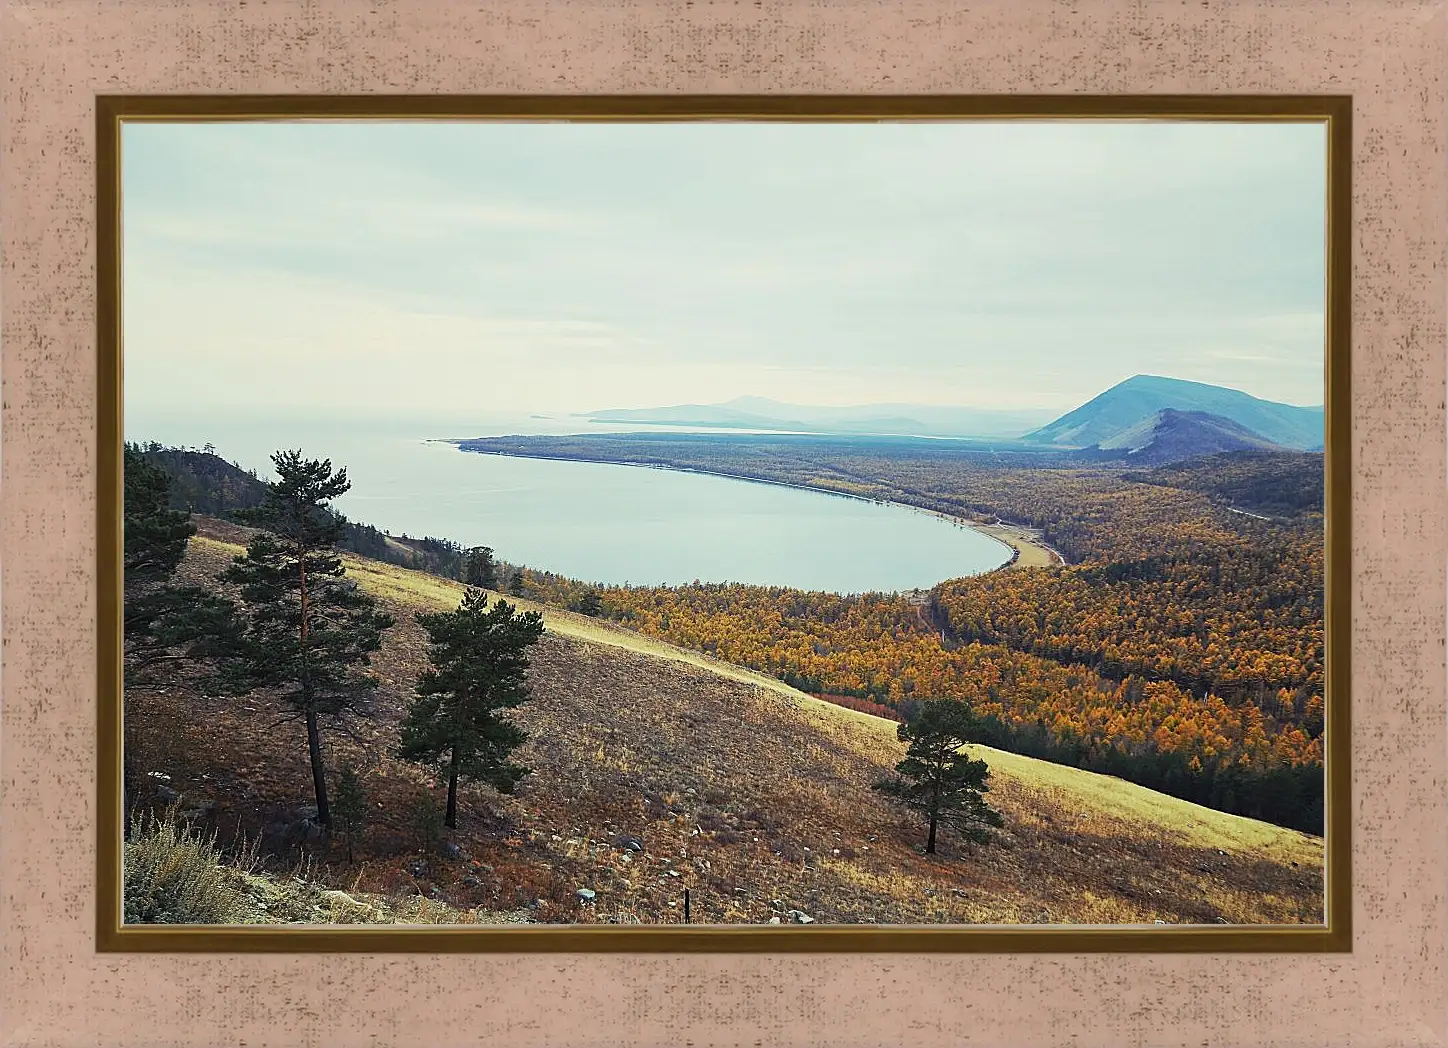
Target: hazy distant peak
[762,413]
[1109,415]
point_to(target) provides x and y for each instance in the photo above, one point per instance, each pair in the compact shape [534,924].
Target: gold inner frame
[1333,936]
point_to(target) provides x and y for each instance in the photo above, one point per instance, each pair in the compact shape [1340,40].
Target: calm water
[603,523]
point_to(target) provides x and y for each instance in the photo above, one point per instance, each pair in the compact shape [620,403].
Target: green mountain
[1171,435]
[1109,415]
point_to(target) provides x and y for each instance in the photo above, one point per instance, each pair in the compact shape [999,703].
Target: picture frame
[59,989]
[1334,112]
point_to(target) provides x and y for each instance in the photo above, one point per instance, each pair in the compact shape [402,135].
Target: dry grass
[754,796]
[173,875]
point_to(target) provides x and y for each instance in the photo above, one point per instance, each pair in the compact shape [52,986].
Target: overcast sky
[568,267]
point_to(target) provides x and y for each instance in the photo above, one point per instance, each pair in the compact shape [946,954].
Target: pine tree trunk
[452,792]
[319,777]
[935,800]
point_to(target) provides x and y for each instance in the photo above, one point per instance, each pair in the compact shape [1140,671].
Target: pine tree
[480,569]
[168,630]
[310,632]
[479,669]
[938,780]
[516,584]
[349,813]
[154,535]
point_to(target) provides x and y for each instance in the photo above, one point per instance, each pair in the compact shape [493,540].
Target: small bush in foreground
[173,875]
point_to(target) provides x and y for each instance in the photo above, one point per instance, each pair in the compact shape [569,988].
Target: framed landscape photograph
[723,523]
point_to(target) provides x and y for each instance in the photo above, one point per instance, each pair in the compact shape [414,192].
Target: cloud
[574,265]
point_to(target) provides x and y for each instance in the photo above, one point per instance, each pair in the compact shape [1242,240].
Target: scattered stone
[1159,921]
[872,837]
[451,850]
[633,844]
[470,881]
[626,857]
[775,920]
[311,831]
[959,891]
[417,868]
[336,899]
[161,776]
[673,873]
[167,795]
[776,904]
[800,917]
[586,894]
[1223,920]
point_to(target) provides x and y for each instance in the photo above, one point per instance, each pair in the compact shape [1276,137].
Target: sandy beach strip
[1031,549]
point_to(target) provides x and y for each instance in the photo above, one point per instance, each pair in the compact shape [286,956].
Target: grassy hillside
[751,794]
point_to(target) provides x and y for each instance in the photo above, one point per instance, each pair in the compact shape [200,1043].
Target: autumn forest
[1180,647]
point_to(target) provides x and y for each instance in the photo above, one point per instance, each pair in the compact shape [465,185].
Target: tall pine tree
[479,669]
[310,632]
[169,633]
[936,778]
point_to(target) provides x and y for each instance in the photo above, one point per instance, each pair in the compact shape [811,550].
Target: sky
[560,267]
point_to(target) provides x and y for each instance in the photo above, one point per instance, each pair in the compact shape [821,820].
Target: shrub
[426,818]
[349,809]
[173,875]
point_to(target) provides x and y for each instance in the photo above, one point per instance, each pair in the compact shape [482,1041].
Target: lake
[597,522]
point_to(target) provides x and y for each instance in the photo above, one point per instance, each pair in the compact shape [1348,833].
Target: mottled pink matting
[56,54]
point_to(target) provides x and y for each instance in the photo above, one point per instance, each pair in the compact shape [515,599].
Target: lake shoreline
[1027,550]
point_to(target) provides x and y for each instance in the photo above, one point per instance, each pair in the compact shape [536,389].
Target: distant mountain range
[1146,419]
[760,413]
